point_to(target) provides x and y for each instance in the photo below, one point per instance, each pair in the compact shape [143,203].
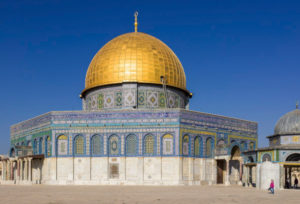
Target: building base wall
[127,171]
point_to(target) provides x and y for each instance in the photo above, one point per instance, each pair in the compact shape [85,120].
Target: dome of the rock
[135,57]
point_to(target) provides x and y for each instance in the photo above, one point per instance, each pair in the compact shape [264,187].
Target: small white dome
[288,124]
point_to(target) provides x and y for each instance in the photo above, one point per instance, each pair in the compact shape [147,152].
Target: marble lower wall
[126,171]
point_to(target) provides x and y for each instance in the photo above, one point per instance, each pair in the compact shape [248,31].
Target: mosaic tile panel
[109,100]
[152,99]
[141,99]
[129,97]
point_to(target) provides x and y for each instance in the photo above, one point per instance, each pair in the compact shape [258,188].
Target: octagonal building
[135,128]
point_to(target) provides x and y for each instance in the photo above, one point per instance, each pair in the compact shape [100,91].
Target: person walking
[271,186]
[296,183]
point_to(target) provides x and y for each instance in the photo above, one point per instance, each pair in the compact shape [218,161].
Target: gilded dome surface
[289,123]
[135,57]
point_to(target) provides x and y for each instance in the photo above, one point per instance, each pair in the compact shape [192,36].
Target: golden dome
[135,57]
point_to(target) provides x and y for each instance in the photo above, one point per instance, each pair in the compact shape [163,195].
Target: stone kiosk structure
[281,160]
[135,128]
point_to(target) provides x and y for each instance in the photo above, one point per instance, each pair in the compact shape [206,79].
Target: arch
[29,143]
[250,159]
[114,146]
[149,145]
[209,147]
[48,146]
[167,144]
[266,157]
[235,152]
[41,145]
[78,145]
[96,145]
[198,146]
[293,157]
[62,145]
[131,145]
[12,152]
[185,145]
[35,146]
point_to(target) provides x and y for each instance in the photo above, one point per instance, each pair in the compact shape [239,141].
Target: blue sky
[241,58]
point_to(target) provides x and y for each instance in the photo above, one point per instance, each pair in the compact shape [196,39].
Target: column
[7,170]
[11,170]
[3,170]
[25,170]
[241,171]
[29,169]
[18,169]
[227,173]
[21,169]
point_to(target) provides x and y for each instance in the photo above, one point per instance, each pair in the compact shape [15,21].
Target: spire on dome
[135,21]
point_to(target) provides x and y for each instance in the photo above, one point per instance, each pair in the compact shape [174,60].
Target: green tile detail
[162,100]
[118,99]
[100,101]
[141,99]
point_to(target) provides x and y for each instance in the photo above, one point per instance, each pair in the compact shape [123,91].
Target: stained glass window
[62,145]
[113,145]
[96,144]
[185,145]
[79,145]
[35,146]
[197,146]
[167,144]
[209,147]
[48,146]
[149,145]
[131,145]
[41,145]
[251,146]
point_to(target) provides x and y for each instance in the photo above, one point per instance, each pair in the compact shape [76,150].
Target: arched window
[35,146]
[79,145]
[62,145]
[167,144]
[41,145]
[131,145]
[197,146]
[251,146]
[209,147]
[12,152]
[235,152]
[185,145]
[23,143]
[149,145]
[243,145]
[266,157]
[97,145]
[29,143]
[114,146]
[48,146]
